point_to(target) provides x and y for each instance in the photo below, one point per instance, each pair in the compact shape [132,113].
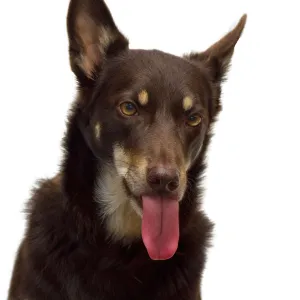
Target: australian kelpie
[122,218]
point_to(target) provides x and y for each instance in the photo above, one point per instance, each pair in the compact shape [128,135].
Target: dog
[122,218]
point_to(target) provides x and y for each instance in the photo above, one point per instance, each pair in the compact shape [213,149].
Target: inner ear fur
[93,36]
[217,57]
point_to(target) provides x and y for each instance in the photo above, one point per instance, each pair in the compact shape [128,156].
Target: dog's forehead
[152,74]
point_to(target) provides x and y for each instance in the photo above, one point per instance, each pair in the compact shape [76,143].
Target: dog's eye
[193,120]
[128,109]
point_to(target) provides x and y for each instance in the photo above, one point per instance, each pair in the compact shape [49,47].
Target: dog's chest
[132,279]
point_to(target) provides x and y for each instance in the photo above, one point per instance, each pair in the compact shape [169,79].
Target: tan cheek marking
[140,163]
[187,164]
[125,223]
[122,221]
[143,97]
[122,161]
[187,103]
[97,130]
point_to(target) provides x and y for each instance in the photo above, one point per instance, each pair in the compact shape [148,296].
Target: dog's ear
[217,57]
[93,37]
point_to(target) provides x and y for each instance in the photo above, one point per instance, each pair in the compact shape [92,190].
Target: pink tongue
[160,228]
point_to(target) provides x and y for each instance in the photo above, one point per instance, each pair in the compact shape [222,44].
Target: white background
[252,185]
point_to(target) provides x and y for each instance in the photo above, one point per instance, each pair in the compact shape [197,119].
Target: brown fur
[83,236]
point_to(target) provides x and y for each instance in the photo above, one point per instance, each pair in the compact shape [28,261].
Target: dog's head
[147,113]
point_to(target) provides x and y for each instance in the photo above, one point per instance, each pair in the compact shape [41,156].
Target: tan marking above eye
[143,97]
[187,103]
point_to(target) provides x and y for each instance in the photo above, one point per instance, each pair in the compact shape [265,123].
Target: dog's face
[153,120]
[148,115]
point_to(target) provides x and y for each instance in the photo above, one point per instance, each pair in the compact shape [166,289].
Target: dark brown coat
[67,251]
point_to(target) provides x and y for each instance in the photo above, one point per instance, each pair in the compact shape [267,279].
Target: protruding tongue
[160,227]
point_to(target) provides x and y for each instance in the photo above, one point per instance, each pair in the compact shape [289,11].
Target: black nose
[162,179]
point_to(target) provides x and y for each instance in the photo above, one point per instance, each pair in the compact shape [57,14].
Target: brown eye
[193,120]
[128,109]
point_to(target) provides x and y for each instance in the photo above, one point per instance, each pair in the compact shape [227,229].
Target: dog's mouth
[160,226]
[160,220]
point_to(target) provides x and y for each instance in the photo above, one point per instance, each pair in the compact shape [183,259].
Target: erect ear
[217,57]
[93,36]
